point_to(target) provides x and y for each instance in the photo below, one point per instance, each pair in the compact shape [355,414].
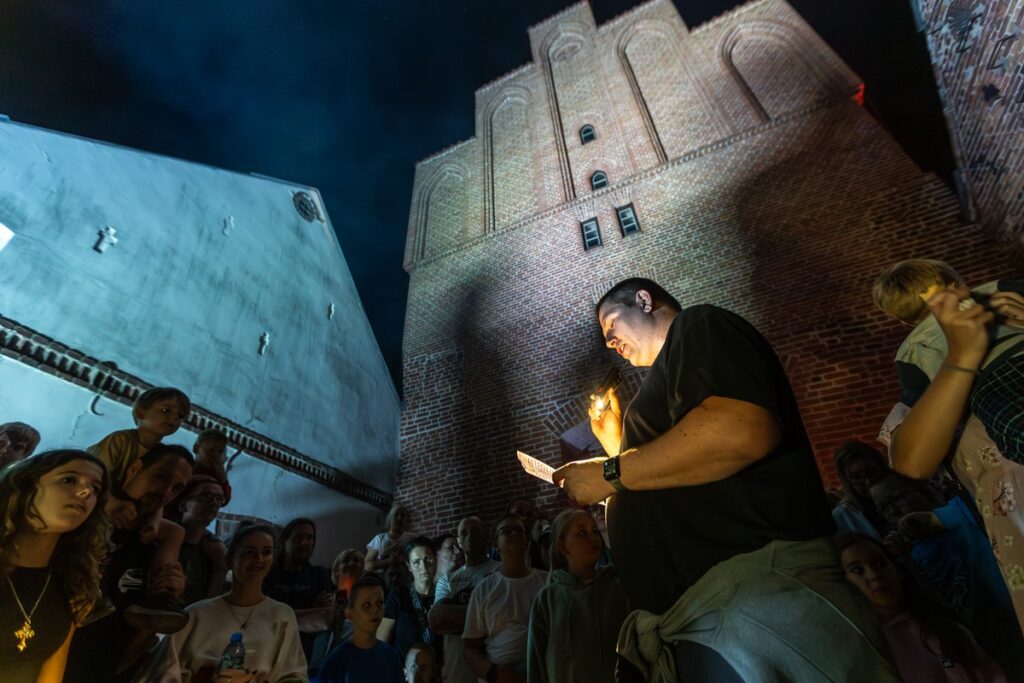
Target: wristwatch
[612,473]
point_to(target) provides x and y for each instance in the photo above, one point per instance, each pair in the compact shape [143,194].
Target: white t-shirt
[385,545]
[499,612]
[459,585]
[270,638]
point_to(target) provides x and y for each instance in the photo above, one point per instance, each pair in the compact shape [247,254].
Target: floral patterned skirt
[996,483]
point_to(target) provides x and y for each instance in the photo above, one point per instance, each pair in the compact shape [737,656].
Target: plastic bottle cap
[236,637]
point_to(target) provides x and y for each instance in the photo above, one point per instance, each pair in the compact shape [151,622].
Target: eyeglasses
[209,498]
[511,531]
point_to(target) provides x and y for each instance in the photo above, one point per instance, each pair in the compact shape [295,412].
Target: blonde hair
[559,527]
[391,515]
[898,290]
[339,561]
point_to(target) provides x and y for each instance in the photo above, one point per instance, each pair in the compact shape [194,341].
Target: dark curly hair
[79,552]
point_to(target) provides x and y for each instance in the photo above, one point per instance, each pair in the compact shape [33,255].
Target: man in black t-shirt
[710,460]
[203,555]
[305,587]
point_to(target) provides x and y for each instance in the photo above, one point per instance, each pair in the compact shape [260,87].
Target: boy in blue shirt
[362,657]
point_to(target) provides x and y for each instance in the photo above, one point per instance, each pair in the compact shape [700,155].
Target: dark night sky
[348,96]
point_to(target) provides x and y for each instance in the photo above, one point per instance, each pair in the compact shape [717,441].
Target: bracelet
[960,368]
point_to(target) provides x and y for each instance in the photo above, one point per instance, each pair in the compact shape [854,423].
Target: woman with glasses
[202,553]
[498,615]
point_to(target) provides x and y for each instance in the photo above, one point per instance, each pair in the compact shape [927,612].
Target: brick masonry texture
[759,185]
[977,51]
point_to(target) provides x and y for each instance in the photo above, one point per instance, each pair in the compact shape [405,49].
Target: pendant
[23,635]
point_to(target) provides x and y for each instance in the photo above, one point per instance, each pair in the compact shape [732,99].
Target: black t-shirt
[410,623]
[51,622]
[298,590]
[198,568]
[664,541]
[126,574]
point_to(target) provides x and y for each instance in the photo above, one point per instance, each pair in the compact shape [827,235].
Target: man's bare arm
[475,655]
[447,619]
[718,438]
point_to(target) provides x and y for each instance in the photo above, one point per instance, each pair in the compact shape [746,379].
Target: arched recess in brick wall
[775,68]
[679,113]
[508,157]
[443,210]
[559,47]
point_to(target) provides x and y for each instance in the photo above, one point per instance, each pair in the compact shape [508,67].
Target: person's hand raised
[606,420]
[966,330]
[122,513]
[324,599]
[1009,306]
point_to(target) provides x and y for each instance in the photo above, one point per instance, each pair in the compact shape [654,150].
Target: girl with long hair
[576,617]
[53,536]
[927,643]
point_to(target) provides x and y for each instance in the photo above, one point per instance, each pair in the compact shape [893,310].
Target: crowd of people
[703,547]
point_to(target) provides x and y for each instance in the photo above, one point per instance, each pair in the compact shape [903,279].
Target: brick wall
[977,51]
[785,216]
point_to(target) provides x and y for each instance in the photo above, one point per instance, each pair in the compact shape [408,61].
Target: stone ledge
[39,351]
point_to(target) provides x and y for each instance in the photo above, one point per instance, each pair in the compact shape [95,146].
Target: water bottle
[234,655]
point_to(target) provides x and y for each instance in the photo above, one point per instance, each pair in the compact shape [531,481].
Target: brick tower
[730,162]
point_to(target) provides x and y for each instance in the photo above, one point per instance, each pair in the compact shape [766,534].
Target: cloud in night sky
[347,96]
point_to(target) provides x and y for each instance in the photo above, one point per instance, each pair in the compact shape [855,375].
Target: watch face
[611,468]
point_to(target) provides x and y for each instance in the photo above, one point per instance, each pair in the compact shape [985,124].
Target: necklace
[25,633]
[248,617]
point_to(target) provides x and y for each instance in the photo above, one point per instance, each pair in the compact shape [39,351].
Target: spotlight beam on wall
[5,236]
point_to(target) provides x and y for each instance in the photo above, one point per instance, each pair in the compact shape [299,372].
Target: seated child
[210,450]
[17,442]
[926,642]
[949,556]
[997,397]
[158,413]
[362,657]
[576,617]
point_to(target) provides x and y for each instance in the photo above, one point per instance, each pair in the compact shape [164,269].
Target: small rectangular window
[627,220]
[591,233]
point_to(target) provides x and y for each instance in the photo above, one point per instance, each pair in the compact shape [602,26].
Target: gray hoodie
[574,627]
